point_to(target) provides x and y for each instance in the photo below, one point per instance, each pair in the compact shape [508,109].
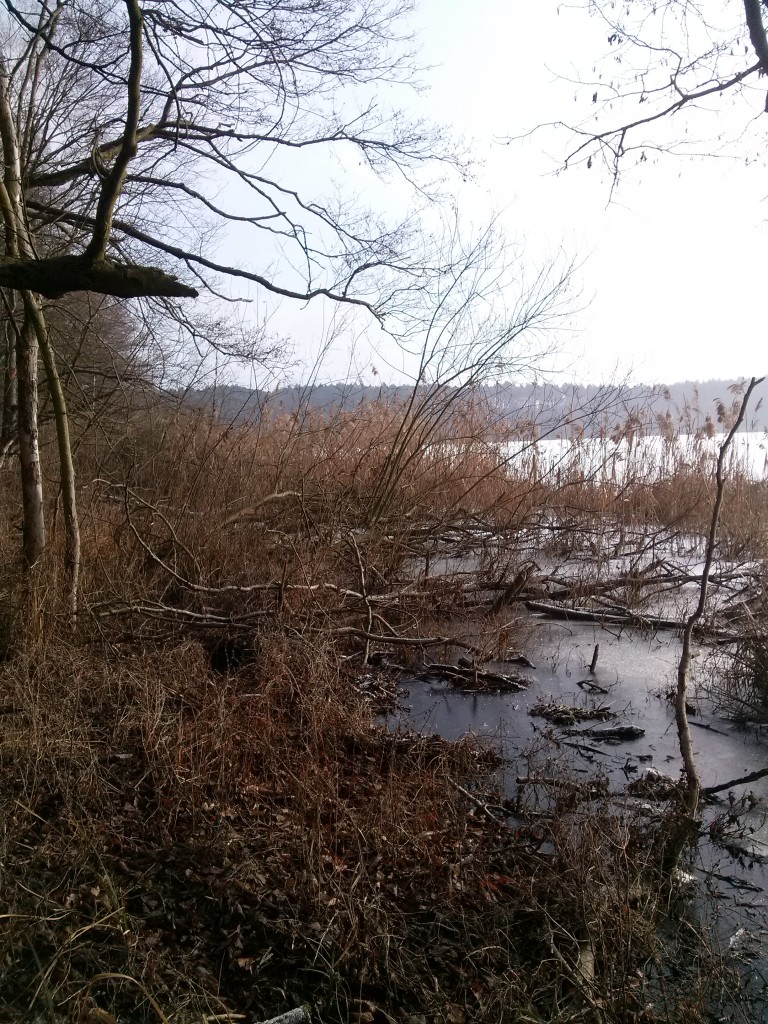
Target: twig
[486,808]
[364,592]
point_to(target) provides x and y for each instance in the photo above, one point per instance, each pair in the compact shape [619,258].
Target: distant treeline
[552,409]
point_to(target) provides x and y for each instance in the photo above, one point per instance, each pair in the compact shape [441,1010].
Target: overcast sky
[672,269]
[675,264]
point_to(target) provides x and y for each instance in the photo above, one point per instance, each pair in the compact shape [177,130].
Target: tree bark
[29,451]
[33,339]
[10,391]
[66,465]
[754,16]
[56,276]
[17,245]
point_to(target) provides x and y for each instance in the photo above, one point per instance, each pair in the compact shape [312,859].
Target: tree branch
[84,168]
[62,274]
[113,182]
[754,16]
[604,138]
[173,250]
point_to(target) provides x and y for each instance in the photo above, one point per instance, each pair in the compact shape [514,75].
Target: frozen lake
[636,669]
[605,459]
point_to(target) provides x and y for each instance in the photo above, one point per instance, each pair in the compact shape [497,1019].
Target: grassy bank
[202,817]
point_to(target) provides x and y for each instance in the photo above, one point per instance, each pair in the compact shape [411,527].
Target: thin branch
[7,272]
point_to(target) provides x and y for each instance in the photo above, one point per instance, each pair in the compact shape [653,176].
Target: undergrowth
[201,815]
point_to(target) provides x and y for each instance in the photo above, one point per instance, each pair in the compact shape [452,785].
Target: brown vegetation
[201,816]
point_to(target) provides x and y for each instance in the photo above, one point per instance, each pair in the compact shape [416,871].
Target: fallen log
[627,618]
[301,1015]
[555,611]
[612,734]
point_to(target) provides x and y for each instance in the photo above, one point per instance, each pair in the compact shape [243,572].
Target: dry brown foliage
[194,794]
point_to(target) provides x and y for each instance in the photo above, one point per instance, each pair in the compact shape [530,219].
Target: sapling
[692,778]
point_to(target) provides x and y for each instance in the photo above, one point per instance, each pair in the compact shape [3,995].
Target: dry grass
[200,815]
[242,843]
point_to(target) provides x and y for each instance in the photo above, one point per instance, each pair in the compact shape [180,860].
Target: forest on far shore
[555,409]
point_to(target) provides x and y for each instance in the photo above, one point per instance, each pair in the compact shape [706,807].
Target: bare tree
[486,321]
[188,102]
[125,131]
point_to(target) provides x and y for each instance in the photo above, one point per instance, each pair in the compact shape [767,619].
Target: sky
[671,265]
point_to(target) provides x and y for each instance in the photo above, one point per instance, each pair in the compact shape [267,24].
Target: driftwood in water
[567,714]
[515,659]
[612,734]
[589,789]
[556,611]
[705,725]
[592,687]
[593,663]
[474,680]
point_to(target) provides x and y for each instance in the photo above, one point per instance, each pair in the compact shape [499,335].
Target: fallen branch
[553,782]
[408,641]
[481,804]
[165,613]
[708,727]
[554,611]
[301,1015]
[248,515]
[476,676]
[752,777]
[735,881]
[627,618]
[611,734]
[567,714]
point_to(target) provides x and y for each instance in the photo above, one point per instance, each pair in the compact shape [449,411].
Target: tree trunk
[17,245]
[29,451]
[33,338]
[66,466]
[10,391]
[693,782]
